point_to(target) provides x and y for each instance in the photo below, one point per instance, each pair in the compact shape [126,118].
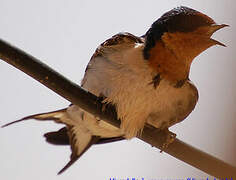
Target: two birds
[146,78]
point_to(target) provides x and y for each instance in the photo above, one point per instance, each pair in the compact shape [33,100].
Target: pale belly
[162,107]
[136,100]
[174,106]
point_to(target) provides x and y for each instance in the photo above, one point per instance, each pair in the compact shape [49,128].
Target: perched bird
[146,78]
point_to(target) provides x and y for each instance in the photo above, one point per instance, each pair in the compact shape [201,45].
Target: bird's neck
[168,64]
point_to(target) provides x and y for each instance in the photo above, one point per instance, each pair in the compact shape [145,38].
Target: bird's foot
[170,137]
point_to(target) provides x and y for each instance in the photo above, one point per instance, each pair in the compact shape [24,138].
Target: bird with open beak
[146,78]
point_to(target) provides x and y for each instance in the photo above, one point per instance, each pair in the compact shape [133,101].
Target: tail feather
[54,115]
[110,140]
[13,122]
[81,131]
[59,137]
[75,156]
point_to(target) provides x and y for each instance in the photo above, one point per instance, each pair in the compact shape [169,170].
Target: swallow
[146,78]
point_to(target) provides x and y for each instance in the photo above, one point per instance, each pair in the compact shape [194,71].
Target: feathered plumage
[145,78]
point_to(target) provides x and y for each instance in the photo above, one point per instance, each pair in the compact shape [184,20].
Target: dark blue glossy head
[181,19]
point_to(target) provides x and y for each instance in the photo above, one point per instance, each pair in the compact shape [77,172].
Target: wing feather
[118,42]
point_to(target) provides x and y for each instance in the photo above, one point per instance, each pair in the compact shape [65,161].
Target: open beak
[213,28]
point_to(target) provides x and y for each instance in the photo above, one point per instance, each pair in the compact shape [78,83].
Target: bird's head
[176,38]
